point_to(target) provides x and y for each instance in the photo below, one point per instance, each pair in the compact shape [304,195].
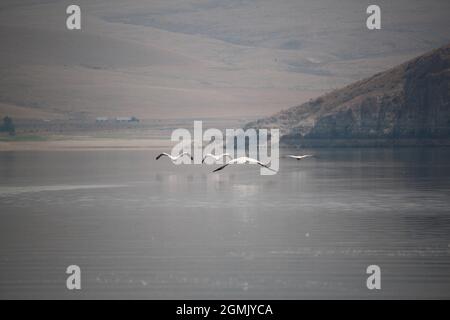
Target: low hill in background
[199,59]
[410,101]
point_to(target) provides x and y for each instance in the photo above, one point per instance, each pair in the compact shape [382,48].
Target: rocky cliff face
[410,101]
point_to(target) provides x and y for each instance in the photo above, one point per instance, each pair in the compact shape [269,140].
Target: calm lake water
[141,228]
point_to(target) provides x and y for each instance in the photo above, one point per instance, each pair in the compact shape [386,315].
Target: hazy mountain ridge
[409,101]
[199,58]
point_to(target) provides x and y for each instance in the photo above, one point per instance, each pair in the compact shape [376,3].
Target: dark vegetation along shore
[7,126]
[407,105]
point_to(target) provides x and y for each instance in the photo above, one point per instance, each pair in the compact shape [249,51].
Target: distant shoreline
[85,144]
[364,143]
[74,144]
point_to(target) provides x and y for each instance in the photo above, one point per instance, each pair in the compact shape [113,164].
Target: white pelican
[173,158]
[299,157]
[242,160]
[218,157]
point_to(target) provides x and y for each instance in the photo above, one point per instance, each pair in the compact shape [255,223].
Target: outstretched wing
[220,168]
[265,166]
[206,156]
[187,154]
[162,154]
[216,157]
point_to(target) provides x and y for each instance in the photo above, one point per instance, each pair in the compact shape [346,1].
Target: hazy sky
[172,59]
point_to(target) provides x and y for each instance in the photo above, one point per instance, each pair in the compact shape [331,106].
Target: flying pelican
[299,157]
[242,160]
[173,158]
[219,156]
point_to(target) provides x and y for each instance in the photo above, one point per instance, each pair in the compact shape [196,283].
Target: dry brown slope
[411,100]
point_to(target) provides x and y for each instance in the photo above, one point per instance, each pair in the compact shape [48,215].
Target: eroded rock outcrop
[410,101]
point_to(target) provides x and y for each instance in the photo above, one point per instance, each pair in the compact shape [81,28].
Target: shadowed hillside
[410,101]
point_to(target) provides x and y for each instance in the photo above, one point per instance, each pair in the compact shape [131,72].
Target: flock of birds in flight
[240,160]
